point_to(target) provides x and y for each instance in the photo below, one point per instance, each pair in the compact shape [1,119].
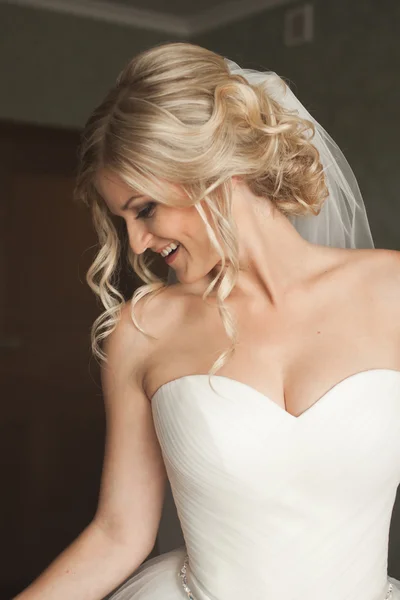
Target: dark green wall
[55,67]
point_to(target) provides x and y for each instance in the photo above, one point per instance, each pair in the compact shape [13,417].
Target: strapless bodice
[277,506]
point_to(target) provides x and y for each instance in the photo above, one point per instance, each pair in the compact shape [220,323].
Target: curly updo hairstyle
[176,113]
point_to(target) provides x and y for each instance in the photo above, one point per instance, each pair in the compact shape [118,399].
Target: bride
[284,465]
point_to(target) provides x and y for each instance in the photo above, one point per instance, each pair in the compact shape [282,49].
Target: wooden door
[52,416]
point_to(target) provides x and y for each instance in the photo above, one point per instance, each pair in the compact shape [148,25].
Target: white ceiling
[184,18]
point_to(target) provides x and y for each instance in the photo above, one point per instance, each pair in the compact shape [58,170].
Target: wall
[55,68]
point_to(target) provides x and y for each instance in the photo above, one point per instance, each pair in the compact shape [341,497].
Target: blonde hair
[177,113]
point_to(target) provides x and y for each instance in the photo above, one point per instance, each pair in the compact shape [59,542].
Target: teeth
[169,249]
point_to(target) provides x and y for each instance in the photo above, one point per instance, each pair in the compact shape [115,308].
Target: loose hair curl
[177,113]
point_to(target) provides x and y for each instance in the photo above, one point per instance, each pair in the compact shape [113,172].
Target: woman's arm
[88,569]
[124,529]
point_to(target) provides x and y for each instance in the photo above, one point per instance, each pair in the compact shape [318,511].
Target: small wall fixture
[298,26]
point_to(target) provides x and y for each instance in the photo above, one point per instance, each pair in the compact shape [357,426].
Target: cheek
[196,224]
[183,224]
[179,223]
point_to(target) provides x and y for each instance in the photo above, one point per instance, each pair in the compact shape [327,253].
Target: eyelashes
[147,211]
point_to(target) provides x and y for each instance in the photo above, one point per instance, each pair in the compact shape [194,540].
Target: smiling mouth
[171,256]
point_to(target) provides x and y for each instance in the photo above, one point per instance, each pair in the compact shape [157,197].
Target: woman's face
[153,225]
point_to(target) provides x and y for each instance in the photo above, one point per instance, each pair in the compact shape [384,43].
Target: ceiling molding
[101,10]
[185,27]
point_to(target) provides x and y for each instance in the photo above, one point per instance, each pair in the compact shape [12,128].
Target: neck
[274,260]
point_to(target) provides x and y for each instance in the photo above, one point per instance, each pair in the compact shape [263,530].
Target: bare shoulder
[388,263]
[382,268]
[130,347]
[148,311]
[371,263]
[380,274]
[124,347]
[158,313]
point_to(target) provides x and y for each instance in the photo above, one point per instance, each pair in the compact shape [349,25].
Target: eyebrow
[131,199]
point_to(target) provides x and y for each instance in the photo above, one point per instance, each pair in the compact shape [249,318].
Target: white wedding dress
[273,506]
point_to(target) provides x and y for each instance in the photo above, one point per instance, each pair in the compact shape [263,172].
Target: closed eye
[147,211]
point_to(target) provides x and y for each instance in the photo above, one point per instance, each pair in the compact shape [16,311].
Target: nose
[139,238]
